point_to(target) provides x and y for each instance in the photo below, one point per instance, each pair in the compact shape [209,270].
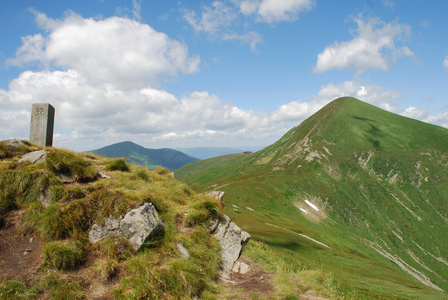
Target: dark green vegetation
[380,184]
[149,158]
[59,215]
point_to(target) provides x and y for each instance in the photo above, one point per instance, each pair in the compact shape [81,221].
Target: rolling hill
[149,158]
[354,190]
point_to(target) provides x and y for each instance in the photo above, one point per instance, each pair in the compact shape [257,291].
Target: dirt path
[19,252]
[255,282]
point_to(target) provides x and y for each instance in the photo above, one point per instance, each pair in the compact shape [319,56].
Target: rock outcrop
[231,237]
[34,157]
[138,226]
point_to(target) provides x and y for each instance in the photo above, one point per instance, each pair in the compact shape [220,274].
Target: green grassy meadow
[380,183]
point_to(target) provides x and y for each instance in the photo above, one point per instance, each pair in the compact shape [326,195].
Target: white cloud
[373,47]
[251,38]
[119,51]
[222,18]
[445,63]
[422,114]
[373,94]
[212,18]
[271,11]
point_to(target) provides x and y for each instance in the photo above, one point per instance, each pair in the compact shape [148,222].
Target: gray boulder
[137,226]
[141,224]
[232,239]
[34,157]
[111,227]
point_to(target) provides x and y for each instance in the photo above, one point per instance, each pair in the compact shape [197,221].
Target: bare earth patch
[255,282]
[20,252]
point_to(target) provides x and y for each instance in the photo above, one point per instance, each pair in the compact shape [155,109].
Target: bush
[117,164]
[63,255]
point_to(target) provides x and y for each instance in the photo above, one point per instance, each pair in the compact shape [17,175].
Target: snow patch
[248,208]
[312,205]
[304,210]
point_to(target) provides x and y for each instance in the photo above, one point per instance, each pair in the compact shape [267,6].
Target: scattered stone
[218,195]
[138,226]
[34,157]
[240,268]
[45,197]
[104,175]
[66,178]
[232,238]
[16,142]
[183,251]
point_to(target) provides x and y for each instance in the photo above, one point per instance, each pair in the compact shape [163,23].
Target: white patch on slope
[402,264]
[304,210]
[300,234]
[312,205]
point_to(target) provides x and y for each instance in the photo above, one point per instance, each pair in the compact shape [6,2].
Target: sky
[224,73]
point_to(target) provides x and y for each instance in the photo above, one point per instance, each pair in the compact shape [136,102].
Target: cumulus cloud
[374,46]
[373,94]
[119,51]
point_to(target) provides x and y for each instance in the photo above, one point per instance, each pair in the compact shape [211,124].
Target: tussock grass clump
[203,210]
[117,164]
[106,267]
[63,255]
[157,273]
[65,162]
[16,289]
[55,287]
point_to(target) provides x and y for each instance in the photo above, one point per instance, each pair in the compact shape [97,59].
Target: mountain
[210,152]
[150,158]
[354,190]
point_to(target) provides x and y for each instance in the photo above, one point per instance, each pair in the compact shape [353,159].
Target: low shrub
[63,255]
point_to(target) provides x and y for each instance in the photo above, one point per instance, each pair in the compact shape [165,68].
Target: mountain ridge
[357,178]
[146,157]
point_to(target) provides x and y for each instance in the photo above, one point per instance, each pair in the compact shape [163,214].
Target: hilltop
[355,190]
[149,158]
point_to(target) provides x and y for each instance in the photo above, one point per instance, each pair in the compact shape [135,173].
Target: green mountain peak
[369,184]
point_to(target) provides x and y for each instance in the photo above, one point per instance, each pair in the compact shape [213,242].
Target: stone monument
[42,124]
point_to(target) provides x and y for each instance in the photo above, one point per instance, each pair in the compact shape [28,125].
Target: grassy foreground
[70,267]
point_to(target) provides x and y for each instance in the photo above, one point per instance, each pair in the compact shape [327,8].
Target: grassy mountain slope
[150,158]
[210,152]
[355,190]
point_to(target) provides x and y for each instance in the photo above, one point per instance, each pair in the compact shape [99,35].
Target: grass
[380,178]
[63,223]
[63,255]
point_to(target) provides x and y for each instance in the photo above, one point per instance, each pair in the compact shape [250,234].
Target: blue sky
[227,73]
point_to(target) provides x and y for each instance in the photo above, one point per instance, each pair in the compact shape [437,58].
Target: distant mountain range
[355,190]
[209,152]
[149,158]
